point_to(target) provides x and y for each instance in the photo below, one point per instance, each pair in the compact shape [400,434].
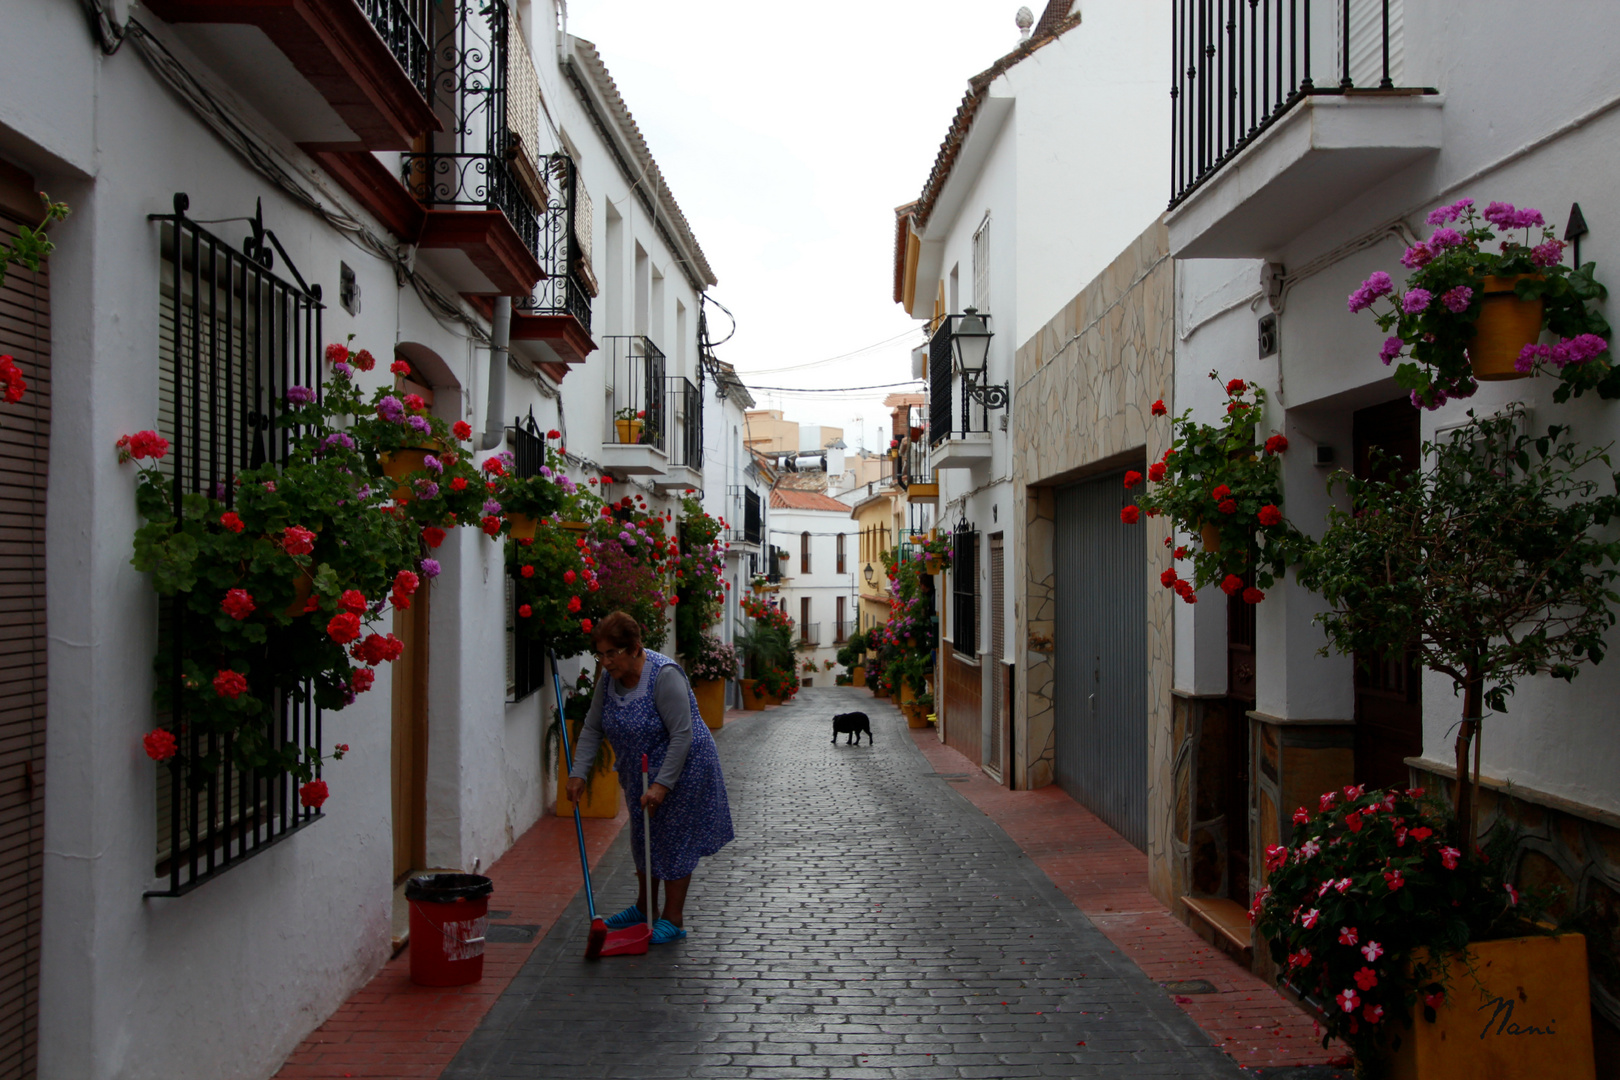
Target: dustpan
[634,940]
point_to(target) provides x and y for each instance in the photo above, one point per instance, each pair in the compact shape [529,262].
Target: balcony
[683,414]
[1282,111]
[637,395]
[553,324]
[958,434]
[349,74]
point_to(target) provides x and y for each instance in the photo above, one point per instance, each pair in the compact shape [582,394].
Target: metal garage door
[1101,655]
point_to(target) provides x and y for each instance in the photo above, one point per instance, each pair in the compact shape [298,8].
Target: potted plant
[851,656]
[709,666]
[780,684]
[765,645]
[1468,313]
[700,581]
[525,500]
[1396,938]
[628,423]
[1217,482]
[602,791]
[1489,566]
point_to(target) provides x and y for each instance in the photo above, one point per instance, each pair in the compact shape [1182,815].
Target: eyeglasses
[611,654]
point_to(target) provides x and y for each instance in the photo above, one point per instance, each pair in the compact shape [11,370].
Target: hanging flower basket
[1505,326]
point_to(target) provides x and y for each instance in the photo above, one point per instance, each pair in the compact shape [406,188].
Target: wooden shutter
[25,334]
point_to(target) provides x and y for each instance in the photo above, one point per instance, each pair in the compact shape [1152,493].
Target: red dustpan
[633,940]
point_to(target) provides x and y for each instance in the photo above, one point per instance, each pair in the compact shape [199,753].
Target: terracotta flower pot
[574,526]
[521,526]
[629,430]
[398,464]
[1210,533]
[1506,325]
[751,701]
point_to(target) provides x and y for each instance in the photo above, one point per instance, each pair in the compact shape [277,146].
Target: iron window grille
[402,25]
[469,87]
[965,591]
[565,290]
[233,336]
[751,516]
[1237,66]
[773,568]
[638,390]
[685,404]
[526,657]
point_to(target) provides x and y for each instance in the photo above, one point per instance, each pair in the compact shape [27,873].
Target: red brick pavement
[395,1029]
[1107,879]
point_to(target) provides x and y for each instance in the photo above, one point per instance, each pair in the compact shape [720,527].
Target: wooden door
[1240,681]
[1389,690]
[409,751]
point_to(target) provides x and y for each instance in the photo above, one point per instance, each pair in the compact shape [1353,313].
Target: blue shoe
[630,916]
[665,932]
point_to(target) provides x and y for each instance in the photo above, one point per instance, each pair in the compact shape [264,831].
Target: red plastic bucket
[449,914]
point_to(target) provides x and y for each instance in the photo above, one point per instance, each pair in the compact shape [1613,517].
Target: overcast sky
[788,133]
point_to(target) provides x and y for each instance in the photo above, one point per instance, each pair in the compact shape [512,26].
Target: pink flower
[1310,918]
[1435,1000]
[1416,256]
[1309,849]
[1550,253]
[1449,857]
[1444,238]
[1392,348]
[1416,300]
[1372,951]
[1444,214]
[1501,214]
[1377,284]
[1456,300]
[1348,1000]
[1347,936]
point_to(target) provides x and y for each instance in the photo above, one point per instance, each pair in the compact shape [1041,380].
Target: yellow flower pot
[1505,326]
[398,464]
[857,675]
[602,791]
[1210,533]
[629,430]
[521,526]
[711,699]
[1517,1007]
[751,701]
[574,526]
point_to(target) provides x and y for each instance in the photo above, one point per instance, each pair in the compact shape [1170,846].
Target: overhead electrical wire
[834,390]
[832,359]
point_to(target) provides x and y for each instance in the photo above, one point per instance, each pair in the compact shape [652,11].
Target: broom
[599,930]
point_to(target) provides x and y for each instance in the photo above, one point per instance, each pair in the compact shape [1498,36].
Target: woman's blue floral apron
[695,818]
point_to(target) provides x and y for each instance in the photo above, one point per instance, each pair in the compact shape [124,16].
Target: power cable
[835,390]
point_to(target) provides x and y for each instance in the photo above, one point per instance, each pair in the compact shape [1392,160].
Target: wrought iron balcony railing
[1239,65]
[564,291]
[684,402]
[403,27]
[639,400]
[470,165]
[948,416]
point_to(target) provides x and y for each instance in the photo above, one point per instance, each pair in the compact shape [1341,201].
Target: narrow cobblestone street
[867,921]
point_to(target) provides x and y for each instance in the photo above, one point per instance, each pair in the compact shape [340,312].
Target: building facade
[818,576]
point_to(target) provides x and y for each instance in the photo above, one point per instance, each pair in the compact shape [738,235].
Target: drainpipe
[500,334]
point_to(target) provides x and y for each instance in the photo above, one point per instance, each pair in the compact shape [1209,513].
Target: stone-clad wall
[1083,393]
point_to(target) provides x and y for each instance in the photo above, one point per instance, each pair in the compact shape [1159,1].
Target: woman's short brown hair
[619,630]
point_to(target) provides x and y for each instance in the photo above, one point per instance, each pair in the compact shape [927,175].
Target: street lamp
[871,576]
[971,343]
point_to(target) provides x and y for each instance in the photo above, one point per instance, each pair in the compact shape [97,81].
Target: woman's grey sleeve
[590,735]
[674,701]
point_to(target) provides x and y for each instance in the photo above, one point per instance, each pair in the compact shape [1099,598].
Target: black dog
[852,724]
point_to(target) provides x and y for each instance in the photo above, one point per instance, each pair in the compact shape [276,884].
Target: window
[965,592]
[807,632]
[804,553]
[751,516]
[840,627]
[981,266]
[840,546]
[231,335]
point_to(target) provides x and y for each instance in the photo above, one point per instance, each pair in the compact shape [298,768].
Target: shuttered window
[965,592]
[981,266]
[25,335]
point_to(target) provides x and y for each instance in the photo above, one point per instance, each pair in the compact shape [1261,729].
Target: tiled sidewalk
[1107,879]
[394,1029]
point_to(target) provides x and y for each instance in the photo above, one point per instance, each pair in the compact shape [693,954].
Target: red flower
[1449,857]
[1158,408]
[1269,515]
[1372,1013]
[1276,444]
[360,679]
[458,483]
[1130,515]
[337,353]
[364,360]
[1348,936]
[527,570]
[1513,894]
[1179,553]
[406,582]
[1348,1000]
[297,540]
[573,605]
[462,430]
[1422,832]
[344,627]
[554,434]
[1393,879]
[525,611]
[1366,978]
[494,467]
[1227,506]
[230,684]
[1302,816]
[674,600]
[1156,471]
[1169,578]
[1220,492]
[1236,386]
[238,604]
[1276,857]
[230,520]
[400,367]
[1132,478]
[414,402]
[148,444]
[1327,800]
[1253,596]
[568,577]
[491,525]
[1232,585]
[433,536]
[1435,1000]
[160,745]
[352,600]
[313,794]
[585,625]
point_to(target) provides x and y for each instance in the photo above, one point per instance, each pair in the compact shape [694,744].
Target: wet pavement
[868,921]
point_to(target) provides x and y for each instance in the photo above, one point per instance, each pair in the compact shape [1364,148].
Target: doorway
[409,744]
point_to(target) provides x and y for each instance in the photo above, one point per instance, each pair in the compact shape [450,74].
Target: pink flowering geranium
[1348,908]
[1434,317]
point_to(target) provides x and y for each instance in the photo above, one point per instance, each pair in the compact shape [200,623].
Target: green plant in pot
[1490,566]
[765,646]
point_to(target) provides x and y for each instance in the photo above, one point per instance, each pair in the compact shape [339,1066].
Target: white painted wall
[823,584]
[1541,149]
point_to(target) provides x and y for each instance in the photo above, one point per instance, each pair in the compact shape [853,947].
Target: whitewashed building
[818,575]
[1016,215]
[499,235]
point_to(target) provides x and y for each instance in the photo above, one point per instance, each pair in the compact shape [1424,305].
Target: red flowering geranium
[344,627]
[160,745]
[353,600]
[297,540]
[230,684]
[313,794]
[11,378]
[238,604]
[1354,894]
[231,521]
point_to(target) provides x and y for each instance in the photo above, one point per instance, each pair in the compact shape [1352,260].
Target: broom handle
[568,764]
[646,841]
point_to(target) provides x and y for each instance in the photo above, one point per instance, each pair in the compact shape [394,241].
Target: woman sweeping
[646,706]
